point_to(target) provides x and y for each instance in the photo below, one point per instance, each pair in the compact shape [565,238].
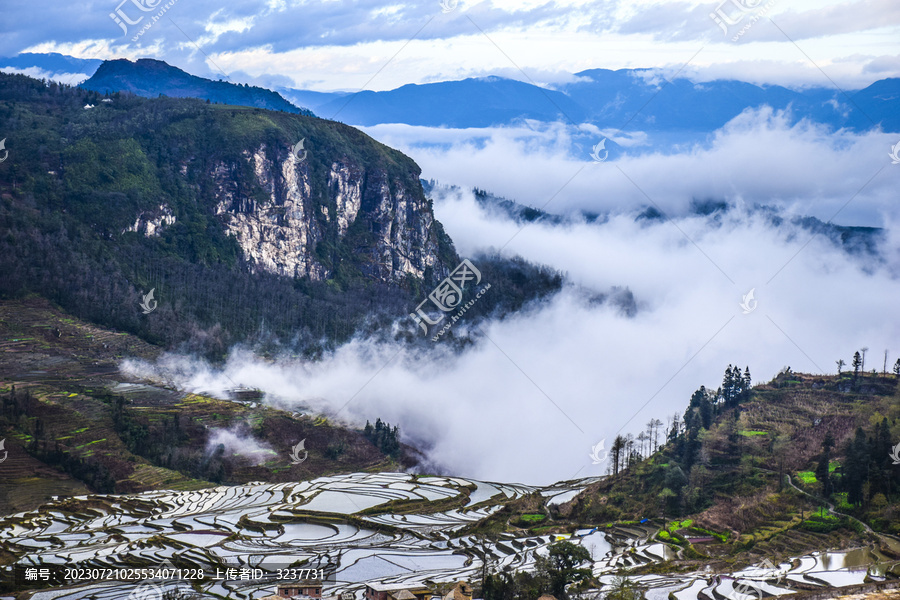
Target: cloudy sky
[349,45]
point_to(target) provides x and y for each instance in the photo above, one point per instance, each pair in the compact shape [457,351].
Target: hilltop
[152,78]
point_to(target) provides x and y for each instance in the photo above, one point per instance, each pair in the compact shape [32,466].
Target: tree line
[702,409]
[867,474]
[858,363]
[384,437]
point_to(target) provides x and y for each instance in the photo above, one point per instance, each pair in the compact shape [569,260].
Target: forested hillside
[757,467]
[103,199]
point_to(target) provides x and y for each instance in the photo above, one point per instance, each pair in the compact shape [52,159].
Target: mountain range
[625,99]
[51,63]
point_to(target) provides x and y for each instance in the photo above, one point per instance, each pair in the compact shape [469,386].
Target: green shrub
[533,518]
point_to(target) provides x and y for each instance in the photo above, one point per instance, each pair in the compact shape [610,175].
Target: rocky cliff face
[215,184]
[287,222]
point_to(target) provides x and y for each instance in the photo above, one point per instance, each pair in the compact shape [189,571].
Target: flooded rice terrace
[327,522]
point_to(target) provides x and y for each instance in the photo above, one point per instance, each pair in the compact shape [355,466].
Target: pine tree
[856,468]
[823,473]
[728,386]
[617,451]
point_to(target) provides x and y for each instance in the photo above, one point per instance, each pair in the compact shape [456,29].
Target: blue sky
[329,45]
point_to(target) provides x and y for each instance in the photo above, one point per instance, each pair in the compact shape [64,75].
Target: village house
[395,591]
[312,590]
[461,591]
[297,589]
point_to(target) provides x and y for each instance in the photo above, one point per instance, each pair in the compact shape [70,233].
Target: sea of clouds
[540,388]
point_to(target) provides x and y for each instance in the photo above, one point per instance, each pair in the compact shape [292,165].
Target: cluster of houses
[312,590]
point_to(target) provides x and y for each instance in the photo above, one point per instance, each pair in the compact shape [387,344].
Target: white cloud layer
[529,400]
[237,440]
[758,158]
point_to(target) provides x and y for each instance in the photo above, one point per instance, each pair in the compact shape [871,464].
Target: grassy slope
[69,377]
[745,502]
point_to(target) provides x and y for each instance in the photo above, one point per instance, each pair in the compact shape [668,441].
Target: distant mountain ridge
[152,78]
[474,102]
[626,98]
[52,62]
[854,240]
[626,94]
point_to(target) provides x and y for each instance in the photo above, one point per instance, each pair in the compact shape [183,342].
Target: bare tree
[656,425]
[884,370]
[840,363]
[641,437]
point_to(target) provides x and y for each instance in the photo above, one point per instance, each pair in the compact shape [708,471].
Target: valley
[457,330]
[356,515]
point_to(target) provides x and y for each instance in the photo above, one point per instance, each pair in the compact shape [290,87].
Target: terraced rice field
[346,522]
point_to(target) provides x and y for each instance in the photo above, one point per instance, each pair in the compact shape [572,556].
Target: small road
[829,505]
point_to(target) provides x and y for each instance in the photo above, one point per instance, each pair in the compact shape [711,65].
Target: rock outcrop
[288,223]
